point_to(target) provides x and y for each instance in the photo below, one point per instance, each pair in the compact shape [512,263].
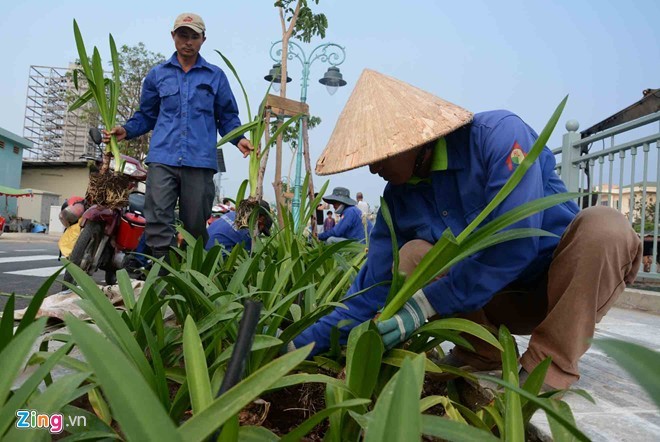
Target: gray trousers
[192,187]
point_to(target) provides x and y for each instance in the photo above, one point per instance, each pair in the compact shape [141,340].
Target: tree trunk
[264,158]
[308,170]
[277,184]
[286,35]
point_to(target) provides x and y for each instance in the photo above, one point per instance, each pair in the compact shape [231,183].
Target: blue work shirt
[480,158]
[227,235]
[350,226]
[184,109]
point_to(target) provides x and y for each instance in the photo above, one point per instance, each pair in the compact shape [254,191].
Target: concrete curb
[30,237]
[644,300]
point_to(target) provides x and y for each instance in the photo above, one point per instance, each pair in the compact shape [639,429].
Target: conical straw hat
[385,117]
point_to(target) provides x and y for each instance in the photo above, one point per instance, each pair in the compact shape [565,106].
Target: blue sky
[518,55]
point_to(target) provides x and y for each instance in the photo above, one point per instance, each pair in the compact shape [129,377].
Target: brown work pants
[598,254]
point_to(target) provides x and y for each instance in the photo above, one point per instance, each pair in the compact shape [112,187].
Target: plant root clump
[108,190]
[244,211]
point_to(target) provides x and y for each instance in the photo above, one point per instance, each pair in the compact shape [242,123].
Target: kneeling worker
[350,226]
[224,232]
[443,165]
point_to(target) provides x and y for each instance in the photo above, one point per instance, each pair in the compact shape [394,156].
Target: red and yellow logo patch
[516,156]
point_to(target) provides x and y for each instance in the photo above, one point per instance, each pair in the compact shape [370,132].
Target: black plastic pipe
[236,366]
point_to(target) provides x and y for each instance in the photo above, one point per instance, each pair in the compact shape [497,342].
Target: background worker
[351,225]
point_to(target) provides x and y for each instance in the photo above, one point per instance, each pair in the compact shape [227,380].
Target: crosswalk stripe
[42,271]
[16,259]
[30,250]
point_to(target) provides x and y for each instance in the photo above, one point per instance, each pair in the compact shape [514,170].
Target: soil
[284,410]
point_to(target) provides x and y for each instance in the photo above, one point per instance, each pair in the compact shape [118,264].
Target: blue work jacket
[184,109]
[480,158]
[350,226]
[226,234]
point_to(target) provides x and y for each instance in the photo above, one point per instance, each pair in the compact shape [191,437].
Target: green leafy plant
[104,91]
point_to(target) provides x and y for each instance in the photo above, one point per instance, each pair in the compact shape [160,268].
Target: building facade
[11,160]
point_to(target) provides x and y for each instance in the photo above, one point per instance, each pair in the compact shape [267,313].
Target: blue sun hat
[340,195]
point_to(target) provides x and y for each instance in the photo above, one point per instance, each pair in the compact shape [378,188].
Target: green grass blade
[240,130]
[196,368]
[307,378]
[100,93]
[440,254]
[396,415]
[507,235]
[363,359]
[126,289]
[522,168]
[559,432]
[20,396]
[82,52]
[84,98]
[542,403]
[240,194]
[7,324]
[397,278]
[464,326]
[109,321]
[249,433]
[519,213]
[51,400]
[233,71]
[157,362]
[514,428]
[116,78]
[37,300]
[535,381]
[449,430]
[132,400]
[281,129]
[13,356]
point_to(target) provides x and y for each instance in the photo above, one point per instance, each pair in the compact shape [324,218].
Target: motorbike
[107,234]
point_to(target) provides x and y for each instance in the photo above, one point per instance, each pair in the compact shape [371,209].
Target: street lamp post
[330,53]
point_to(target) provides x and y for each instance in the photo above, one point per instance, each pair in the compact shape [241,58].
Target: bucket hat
[385,117]
[341,195]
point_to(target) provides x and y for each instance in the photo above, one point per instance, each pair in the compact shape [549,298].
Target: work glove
[404,323]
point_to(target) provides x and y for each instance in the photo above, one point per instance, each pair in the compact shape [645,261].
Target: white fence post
[570,172]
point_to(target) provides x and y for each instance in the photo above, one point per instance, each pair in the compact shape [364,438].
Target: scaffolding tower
[57,133]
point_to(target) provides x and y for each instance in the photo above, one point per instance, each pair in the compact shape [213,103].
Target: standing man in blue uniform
[443,165]
[186,101]
[351,225]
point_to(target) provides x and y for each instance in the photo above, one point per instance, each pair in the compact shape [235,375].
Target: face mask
[340,210]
